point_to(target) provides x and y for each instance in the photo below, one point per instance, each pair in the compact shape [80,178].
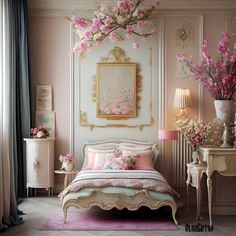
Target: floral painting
[116,90]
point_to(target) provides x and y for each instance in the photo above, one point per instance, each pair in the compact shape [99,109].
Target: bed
[119,174]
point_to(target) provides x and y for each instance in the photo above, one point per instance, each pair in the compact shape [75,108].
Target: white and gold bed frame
[107,201]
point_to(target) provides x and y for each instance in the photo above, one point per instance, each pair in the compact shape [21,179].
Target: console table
[222,160]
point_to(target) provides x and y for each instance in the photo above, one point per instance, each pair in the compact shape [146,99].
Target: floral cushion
[121,162]
[144,161]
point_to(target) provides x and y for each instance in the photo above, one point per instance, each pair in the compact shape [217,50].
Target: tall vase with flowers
[218,77]
[195,132]
[131,16]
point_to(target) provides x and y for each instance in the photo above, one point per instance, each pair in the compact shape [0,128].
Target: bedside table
[194,175]
[69,175]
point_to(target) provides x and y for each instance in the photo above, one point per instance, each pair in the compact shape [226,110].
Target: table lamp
[182,100]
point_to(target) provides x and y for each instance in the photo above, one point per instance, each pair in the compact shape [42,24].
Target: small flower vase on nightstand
[69,165]
[195,157]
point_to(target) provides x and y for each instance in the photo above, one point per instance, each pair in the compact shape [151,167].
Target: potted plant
[195,132]
[218,77]
[67,162]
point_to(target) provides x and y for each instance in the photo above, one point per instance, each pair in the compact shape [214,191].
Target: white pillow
[100,159]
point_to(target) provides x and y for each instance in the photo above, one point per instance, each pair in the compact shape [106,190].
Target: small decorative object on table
[195,133]
[67,162]
[41,132]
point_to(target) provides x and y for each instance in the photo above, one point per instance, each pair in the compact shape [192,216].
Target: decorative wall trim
[200,88]
[84,120]
[165,4]
[71,142]
[161,87]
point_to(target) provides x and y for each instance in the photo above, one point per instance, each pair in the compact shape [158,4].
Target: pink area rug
[96,219]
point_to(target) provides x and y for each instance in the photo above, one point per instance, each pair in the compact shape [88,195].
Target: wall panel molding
[165,4]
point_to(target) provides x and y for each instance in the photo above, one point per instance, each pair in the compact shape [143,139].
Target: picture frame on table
[44,98]
[46,119]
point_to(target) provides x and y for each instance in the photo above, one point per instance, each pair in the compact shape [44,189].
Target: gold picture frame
[116,90]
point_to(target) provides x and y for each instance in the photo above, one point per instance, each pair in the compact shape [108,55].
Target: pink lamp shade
[168,134]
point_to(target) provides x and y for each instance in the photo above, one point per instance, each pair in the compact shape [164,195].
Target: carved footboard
[108,201]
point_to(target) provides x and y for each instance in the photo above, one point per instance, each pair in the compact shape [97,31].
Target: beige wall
[49,51]
[49,40]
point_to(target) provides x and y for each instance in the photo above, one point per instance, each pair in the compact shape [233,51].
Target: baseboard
[221,210]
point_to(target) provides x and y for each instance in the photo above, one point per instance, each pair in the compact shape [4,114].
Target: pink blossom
[218,77]
[129,29]
[113,36]
[33,131]
[81,46]
[66,158]
[129,15]
[80,22]
[87,34]
[96,24]
[108,21]
[97,43]
[104,29]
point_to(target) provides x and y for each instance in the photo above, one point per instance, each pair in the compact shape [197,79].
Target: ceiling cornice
[92,4]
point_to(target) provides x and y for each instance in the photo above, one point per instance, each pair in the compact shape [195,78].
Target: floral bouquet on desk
[67,162]
[41,132]
[195,132]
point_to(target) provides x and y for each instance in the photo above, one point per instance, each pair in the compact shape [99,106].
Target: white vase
[224,111]
[195,157]
[69,166]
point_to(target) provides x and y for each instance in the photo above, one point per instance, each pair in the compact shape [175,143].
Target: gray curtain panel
[14,107]
[21,103]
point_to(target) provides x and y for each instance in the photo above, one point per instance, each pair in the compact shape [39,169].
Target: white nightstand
[40,164]
[195,172]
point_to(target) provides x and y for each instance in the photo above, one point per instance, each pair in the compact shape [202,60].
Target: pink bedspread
[139,179]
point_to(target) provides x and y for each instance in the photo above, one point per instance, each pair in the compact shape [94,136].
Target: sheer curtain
[13,73]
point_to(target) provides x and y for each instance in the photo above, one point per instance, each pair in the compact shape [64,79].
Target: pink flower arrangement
[120,105]
[66,158]
[218,77]
[41,132]
[128,15]
[194,131]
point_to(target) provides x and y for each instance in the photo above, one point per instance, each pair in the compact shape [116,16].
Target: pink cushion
[144,161]
[90,161]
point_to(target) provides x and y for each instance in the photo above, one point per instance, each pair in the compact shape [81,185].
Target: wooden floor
[38,209]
